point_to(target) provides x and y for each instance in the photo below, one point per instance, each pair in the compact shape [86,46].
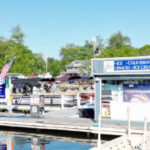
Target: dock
[68,120]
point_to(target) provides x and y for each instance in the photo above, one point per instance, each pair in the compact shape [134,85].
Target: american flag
[5,69]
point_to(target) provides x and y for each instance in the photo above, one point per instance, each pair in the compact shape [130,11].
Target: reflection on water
[15,141]
[23,117]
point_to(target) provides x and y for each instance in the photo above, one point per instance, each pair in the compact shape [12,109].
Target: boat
[86,111]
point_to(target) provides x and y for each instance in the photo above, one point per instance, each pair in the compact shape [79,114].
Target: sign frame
[106,66]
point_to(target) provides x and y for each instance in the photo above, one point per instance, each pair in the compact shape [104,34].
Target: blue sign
[121,65]
[2,91]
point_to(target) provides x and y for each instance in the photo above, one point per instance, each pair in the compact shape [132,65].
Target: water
[24,141]
[23,117]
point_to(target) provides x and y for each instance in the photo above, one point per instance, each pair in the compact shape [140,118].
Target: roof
[77,63]
[15,74]
[62,78]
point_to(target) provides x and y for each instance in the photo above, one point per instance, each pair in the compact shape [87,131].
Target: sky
[51,24]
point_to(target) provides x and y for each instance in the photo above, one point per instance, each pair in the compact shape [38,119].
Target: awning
[83,78]
[63,78]
[32,80]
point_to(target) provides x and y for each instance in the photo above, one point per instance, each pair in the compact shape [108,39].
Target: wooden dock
[68,120]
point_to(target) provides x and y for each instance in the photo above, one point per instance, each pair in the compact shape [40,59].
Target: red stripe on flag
[6,69]
[4,72]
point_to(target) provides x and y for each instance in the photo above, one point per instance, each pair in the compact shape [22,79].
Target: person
[53,87]
[42,104]
[46,87]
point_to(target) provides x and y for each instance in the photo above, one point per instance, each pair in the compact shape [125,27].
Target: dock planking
[68,120]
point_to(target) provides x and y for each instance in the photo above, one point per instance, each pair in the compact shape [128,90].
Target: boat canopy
[32,80]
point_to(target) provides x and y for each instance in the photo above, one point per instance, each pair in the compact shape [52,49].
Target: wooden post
[97,98]
[78,100]
[144,133]
[62,102]
[99,133]
[129,121]
[91,100]
[99,116]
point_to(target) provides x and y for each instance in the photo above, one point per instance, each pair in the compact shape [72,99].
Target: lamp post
[96,47]
[94,41]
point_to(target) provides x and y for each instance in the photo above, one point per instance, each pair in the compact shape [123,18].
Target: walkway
[69,120]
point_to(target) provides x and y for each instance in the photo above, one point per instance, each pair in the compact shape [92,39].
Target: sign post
[34,102]
[9,96]
[7,82]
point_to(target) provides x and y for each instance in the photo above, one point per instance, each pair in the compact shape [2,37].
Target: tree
[86,68]
[117,40]
[54,66]
[25,62]
[37,63]
[68,53]
[124,51]
[145,50]
[6,52]
[88,45]
[17,34]
[72,52]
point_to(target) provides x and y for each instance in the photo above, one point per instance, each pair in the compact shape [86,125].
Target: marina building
[124,83]
[73,69]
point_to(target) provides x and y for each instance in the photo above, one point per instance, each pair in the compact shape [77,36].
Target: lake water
[24,141]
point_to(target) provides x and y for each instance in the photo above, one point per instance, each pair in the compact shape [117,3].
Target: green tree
[6,52]
[37,64]
[25,62]
[72,52]
[117,40]
[124,51]
[86,68]
[54,66]
[145,50]
[17,34]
